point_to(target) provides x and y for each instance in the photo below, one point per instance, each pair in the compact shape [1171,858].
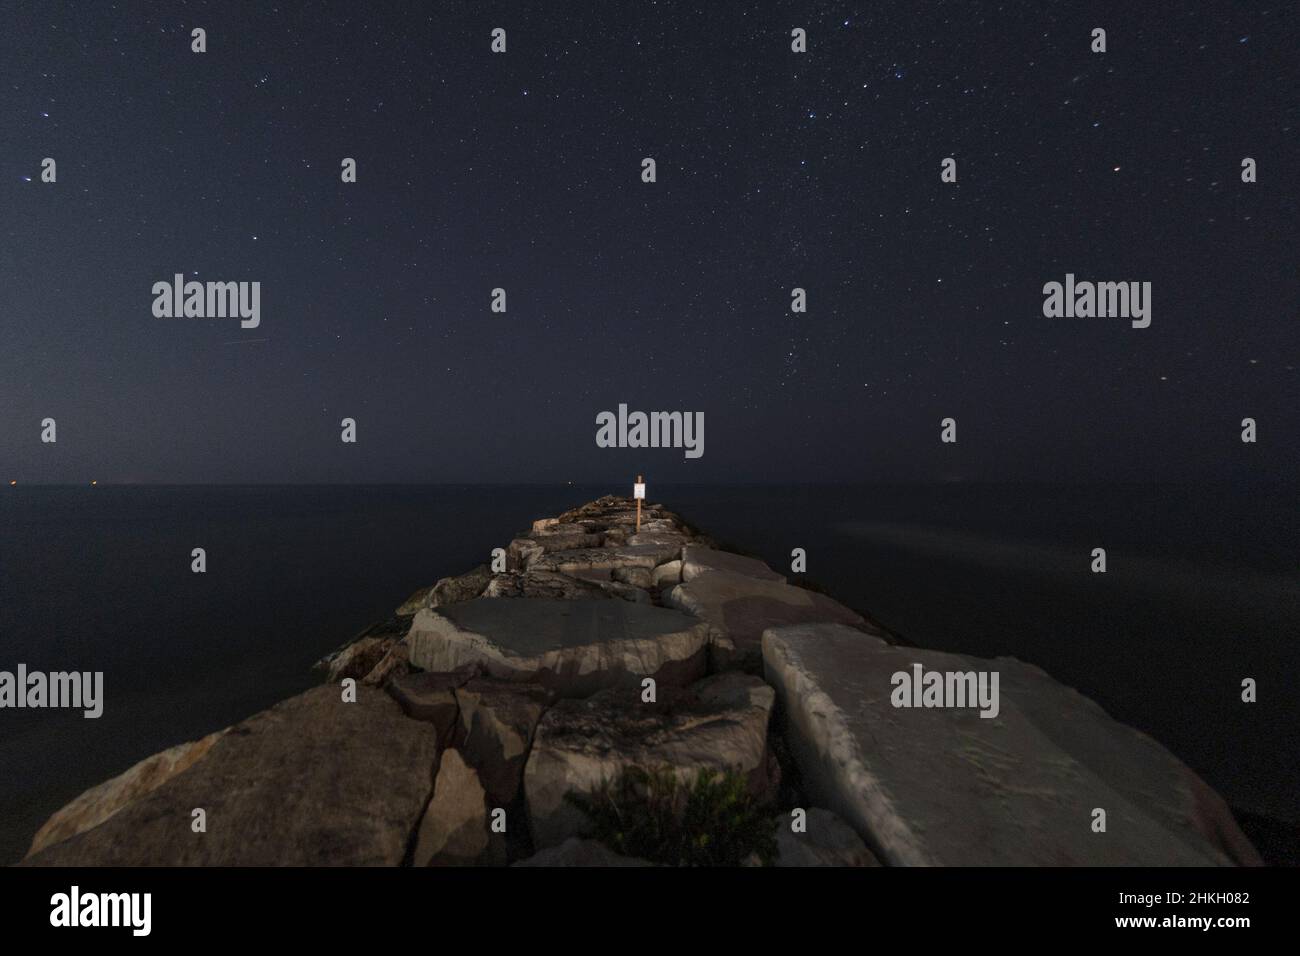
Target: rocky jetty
[495,714]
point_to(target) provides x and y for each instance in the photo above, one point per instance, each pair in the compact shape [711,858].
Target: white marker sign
[638,490]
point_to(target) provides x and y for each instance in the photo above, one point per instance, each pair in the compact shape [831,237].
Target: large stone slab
[497,720]
[698,560]
[100,802]
[313,781]
[742,607]
[431,696]
[668,545]
[946,786]
[454,830]
[572,648]
[718,723]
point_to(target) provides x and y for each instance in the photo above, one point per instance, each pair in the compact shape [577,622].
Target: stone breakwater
[453,733]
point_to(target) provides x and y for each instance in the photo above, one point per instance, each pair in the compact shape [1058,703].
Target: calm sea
[1201,592]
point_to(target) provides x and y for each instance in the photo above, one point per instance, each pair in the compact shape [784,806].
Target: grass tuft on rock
[651,814]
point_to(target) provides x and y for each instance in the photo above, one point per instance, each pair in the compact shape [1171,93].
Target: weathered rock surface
[359,658]
[543,584]
[311,782]
[667,545]
[626,592]
[432,697]
[637,577]
[99,803]
[567,538]
[698,560]
[718,723]
[572,648]
[454,829]
[667,575]
[578,852]
[742,606]
[612,510]
[460,587]
[827,841]
[521,552]
[946,786]
[604,560]
[419,599]
[394,663]
[497,721]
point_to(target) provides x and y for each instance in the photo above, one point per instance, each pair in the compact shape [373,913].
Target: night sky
[523,171]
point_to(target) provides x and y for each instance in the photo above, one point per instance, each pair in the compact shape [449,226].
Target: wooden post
[639,491]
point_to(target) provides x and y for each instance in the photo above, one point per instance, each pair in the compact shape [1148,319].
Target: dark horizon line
[1251,481]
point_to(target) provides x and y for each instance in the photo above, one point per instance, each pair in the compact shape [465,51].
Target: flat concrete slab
[572,648]
[945,786]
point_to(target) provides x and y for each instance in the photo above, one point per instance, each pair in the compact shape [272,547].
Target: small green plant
[651,814]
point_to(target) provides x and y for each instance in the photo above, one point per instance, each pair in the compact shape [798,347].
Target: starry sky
[523,171]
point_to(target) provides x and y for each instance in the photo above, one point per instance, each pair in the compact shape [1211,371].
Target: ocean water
[1201,591]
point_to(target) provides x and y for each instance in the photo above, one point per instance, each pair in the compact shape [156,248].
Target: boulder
[497,720]
[603,560]
[637,577]
[460,587]
[416,601]
[99,803]
[359,658]
[667,546]
[698,560]
[667,575]
[454,829]
[313,781]
[626,592]
[612,510]
[577,852]
[718,723]
[664,526]
[521,552]
[572,648]
[393,664]
[567,538]
[431,697]
[826,841]
[742,607]
[543,584]
[945,786]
